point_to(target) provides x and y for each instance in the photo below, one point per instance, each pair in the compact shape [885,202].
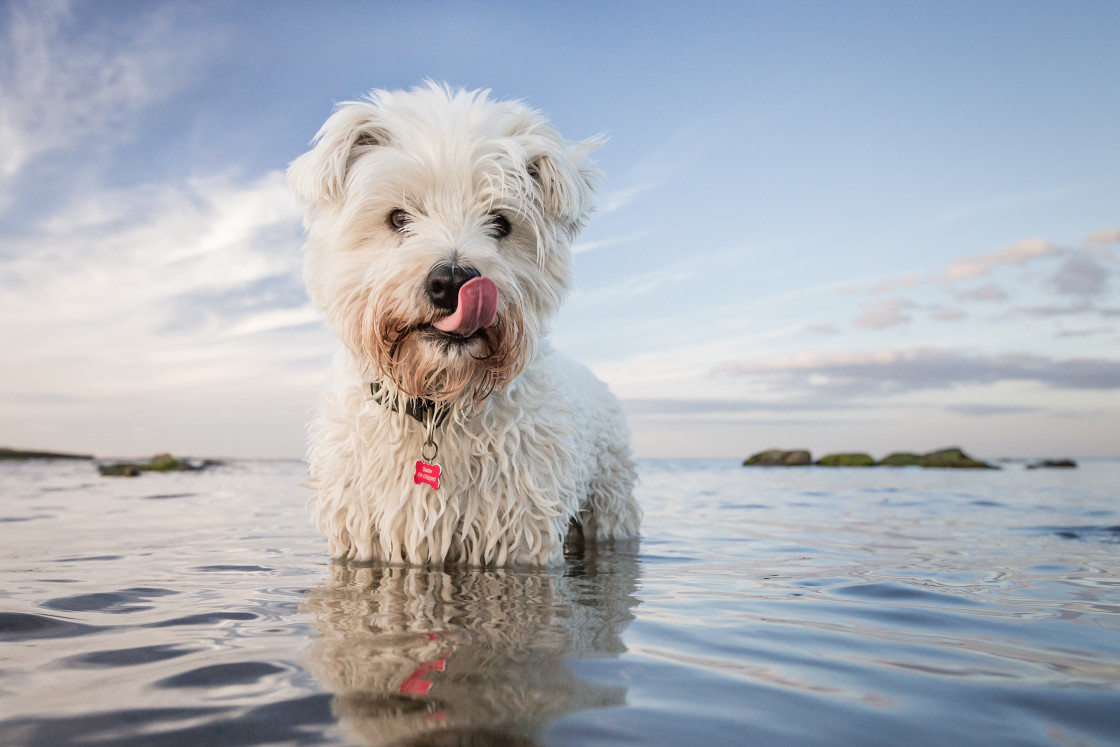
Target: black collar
[417,408]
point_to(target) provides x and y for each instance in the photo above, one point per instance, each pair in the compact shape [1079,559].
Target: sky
[860,226]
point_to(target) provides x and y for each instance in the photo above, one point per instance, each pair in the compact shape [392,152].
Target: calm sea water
[763,606]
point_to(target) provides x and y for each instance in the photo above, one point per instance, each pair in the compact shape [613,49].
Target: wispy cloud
[1085,271]
[135,279]
[915,369]
[948,315]
[628,289]
[1079,309]
[60,87]
[826,328]
[589,246]
[983,294]
[1091,332]
[1104,237]
[732,410]
[617,199]
[984,411]
[1018,253]
[1003,202]
[884,314]
[906,281]
[1081,275]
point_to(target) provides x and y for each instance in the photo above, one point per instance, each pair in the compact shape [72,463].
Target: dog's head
[439,232]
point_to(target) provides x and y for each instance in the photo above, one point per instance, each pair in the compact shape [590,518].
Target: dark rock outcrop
[158,463]
[118,469]
[779,458]
[953,458]
[901,459]
[18,455]
[847,459]
[1053,464]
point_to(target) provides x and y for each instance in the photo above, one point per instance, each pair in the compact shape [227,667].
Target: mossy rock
[166,463]
[847,459]
[953,458]
[19,455]
[779,458]
[900,459]
[1053,464]
[118,469]
[158,463]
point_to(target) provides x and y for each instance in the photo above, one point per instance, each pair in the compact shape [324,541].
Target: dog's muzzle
[471,299]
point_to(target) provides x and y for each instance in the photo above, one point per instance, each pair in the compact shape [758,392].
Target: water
[783,606]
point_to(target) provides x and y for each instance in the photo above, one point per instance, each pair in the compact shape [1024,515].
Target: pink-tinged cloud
[984,293]
[1018,253]
[906,281]
[1107,236]
[884,314]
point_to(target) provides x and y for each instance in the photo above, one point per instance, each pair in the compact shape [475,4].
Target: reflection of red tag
[427,474]
[415,684]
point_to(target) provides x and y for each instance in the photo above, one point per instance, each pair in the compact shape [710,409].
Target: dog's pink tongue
[477,309]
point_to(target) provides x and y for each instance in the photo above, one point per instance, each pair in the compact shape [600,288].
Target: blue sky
[858,226]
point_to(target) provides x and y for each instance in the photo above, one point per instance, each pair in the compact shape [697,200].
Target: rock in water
[779,458]
[953,458]
[167,463]
[900,459]
[158,463]
[18,455]
[119,469]
[847,459]
[1053,464]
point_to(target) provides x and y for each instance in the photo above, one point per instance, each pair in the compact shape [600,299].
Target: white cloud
[162,317]
[60,86]
[1018,253]
[1090,332]
[983,294]
[131,289]
[615,200]
[1107,236]
[884,314]
[906,281]
[1077,310]
[860,373]
[588,246]
[967,268]
[126,248]
[947,315]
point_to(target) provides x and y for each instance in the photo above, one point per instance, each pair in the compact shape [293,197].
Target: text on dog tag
[427,474]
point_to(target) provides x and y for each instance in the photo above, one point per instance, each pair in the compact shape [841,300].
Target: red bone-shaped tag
[427,474]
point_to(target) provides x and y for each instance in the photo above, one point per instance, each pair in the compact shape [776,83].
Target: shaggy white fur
[529,442]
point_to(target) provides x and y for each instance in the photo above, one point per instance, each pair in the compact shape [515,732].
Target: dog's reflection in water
[462,656]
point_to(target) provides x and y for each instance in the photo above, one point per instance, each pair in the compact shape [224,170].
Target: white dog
[439,232]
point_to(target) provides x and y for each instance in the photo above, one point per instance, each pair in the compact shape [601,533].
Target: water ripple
[801,607]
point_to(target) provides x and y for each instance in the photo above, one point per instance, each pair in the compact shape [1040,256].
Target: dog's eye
[500,225]
[398,219]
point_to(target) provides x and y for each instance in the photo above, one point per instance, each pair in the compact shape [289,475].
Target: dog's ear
[567,182]
[318,177]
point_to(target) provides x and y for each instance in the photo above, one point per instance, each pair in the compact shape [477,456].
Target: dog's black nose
[443,284]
